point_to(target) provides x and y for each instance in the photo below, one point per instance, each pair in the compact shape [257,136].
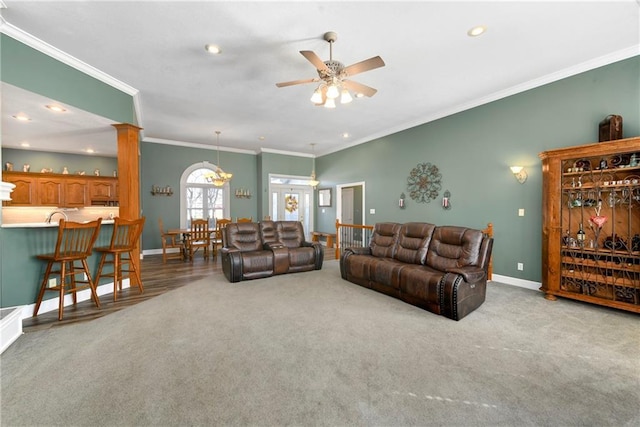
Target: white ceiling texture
[154,50]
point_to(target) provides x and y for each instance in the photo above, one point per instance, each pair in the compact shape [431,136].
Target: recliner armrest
[231,260]
[469,274]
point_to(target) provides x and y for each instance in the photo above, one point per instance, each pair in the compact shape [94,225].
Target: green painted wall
[474,149]
[163,165]
[34,71]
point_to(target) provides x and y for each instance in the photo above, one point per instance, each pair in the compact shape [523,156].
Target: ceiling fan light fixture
[345,97]
[329,103]
[316,98]
[332,91]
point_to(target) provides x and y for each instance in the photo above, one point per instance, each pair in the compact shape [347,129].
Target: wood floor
[157,278]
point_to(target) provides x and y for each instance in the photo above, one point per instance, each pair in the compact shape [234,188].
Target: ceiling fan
[333,75]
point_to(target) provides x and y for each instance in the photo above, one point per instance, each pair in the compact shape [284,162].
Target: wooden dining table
[185,232]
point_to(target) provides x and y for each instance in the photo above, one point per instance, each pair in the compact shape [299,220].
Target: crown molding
[196,145]
[286,153]
[44,47]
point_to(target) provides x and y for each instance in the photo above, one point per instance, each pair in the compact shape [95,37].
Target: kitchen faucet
[48,220]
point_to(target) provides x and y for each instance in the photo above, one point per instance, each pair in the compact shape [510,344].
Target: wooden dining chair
[171,241]
[217,239]
[249,219]
[74,245]
[120,253]
[199,237]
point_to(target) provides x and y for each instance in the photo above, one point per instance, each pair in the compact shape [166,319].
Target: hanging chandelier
[219,177]
[312,181]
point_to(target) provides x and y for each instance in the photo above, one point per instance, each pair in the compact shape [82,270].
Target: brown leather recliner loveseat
[442,269]
[252,250]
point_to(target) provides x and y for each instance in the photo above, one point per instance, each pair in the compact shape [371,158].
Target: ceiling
[154,50]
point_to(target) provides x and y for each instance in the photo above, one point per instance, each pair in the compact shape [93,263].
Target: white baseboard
[158,251]
[514,281]
[84,295]
[10,327]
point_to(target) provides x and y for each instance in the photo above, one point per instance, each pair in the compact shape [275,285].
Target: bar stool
[126,234]
[74,244]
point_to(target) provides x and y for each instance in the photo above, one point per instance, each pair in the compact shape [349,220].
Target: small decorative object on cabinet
[591,224]
[610,128]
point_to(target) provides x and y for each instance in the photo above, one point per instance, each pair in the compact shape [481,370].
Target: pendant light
[219,177]
[313,182]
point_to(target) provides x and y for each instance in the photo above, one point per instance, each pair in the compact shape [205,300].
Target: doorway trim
[339,188]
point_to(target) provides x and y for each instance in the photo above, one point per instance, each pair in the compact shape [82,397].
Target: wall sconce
[446,203]
[519,173]
[401,201]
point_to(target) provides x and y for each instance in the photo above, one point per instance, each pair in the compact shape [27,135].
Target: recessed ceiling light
[90,150]
[25,144]
[56,108]
[477,31]
[21,117]
[346,135]
[261,138]
[212,48]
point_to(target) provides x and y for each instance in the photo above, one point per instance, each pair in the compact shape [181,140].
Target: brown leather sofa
[252,250]
[442,269]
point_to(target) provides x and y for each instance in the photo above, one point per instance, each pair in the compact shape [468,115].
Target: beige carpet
[311,349]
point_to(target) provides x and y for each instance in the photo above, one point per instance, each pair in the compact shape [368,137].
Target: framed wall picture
[324,197]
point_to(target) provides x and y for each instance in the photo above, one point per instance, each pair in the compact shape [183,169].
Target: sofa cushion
[413,242]
[386,271]
[243,236]
[383,239]
[419,286]
[453,247]
[268,232]
[290,233]
[257,264]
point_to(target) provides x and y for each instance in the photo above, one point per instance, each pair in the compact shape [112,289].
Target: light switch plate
[372,211]
[520,212]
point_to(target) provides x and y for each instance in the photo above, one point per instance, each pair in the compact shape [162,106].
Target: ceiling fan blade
[297,82]
[362,66]
[315,60]
[359,88]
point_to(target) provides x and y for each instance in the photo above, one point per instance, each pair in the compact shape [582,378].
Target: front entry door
[291,203]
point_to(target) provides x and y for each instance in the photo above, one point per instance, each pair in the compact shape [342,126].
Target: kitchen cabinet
[61,190]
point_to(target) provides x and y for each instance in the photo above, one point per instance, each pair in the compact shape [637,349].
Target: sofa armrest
[347,253]
[356,250]
[232,264]
[469,274]
[318,252]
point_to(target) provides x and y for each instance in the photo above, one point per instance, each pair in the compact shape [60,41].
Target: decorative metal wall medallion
[423,182]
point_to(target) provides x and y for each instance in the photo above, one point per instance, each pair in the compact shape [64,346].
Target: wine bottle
[581,235]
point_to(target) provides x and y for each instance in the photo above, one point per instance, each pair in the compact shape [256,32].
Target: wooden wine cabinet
[596,185]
